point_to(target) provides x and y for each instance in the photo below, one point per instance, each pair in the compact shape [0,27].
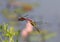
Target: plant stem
[11,39]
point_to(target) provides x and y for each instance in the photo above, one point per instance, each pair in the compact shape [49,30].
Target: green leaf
[18,32]
[1,27]
[16,40]
[5,27]
[6,41]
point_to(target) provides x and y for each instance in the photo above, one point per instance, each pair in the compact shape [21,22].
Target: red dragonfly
[31,22]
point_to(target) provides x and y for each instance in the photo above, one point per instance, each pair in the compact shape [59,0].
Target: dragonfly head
[21,19]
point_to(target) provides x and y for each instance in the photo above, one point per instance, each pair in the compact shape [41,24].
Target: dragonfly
[33,23]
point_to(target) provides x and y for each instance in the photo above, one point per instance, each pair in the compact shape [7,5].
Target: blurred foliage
[13,14]
[9,33]
[35,32]
[19,11]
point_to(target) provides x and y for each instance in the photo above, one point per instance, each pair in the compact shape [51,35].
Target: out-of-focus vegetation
[13,15]
[19,9]
[8,33]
